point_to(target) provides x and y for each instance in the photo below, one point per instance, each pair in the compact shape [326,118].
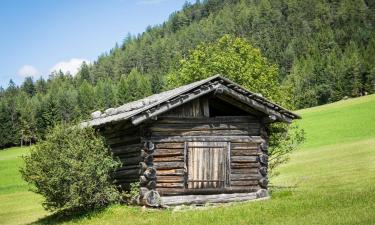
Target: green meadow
[329,180]
[17,204]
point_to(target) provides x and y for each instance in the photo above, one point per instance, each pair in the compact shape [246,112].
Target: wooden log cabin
[199,143]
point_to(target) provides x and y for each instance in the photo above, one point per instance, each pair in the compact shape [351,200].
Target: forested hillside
[324,51]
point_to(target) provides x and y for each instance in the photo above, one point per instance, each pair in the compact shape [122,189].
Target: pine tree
[84,72]
[106,94]
[41,86]
[157,83]
[28,86]
[87,102]
[6,127]
[133,87]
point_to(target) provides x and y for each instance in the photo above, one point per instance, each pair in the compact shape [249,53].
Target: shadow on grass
[64,216]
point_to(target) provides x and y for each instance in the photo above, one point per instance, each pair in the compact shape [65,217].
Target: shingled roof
[146,108]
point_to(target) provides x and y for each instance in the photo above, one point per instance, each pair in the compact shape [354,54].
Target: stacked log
[148,195]
[244,166]
[124,141]
[263,158]
[128,173]
[170,165]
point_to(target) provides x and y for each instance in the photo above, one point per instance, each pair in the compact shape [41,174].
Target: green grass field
[330,180]
[17,204]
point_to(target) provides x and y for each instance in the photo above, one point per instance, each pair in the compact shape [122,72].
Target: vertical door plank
[208,164]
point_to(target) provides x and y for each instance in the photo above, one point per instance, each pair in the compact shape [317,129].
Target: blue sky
[39,36]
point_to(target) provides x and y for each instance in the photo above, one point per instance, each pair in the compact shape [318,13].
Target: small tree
[234,58]
[133,87]
[71,169]
[239,61]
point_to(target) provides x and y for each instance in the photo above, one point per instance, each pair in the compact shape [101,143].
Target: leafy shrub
[71,170]
[284,140]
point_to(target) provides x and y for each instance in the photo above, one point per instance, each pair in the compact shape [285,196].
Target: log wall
[156,153]
[171,135]
[124,140]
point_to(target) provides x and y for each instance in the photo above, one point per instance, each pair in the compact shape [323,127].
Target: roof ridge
[131,109]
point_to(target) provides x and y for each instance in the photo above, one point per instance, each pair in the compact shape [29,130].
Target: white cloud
[72,66]
[150,2]
[28,71]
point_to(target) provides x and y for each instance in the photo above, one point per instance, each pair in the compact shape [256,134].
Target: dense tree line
[323,51]
[26,112]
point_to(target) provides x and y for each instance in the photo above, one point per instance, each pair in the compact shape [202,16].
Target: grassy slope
[331,180]
[17,204]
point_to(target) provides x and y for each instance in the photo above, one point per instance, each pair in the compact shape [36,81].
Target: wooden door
[207,164]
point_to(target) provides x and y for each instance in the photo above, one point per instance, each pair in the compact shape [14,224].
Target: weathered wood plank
[122,133]
[210,144]
[205,133]
[239,159]
[170,191]
[203,199]
[204,120]
[251,176]
[240,165]
[203,127]
[125,149]
[129,167]
[170,172]
[165,152]
[245,171]
[245,152]
[131,161]
[213,138]
[205,107]
[169,165]
[244,183]
[189,109]
[169,185]
[184,191]
[115,131]
[169,159]
[245,146]
[170,179]
[127,155]
[171,145]
[123,140]
[171,104]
